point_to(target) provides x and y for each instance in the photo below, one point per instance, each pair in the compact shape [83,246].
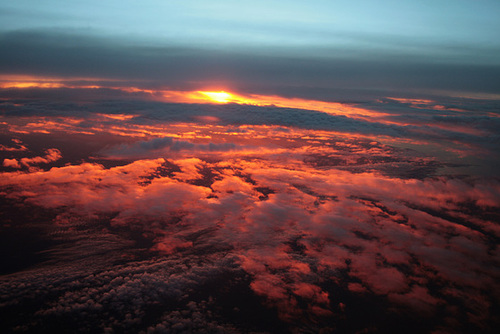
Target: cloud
[467,134]
[13,163]
[51,155]
[276,214]
[317,229]
[163,145]
[20,147]
[258,71]
[116,299]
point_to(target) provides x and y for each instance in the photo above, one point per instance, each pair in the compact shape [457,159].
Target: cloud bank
[284,72]
[314,232]
[163,221]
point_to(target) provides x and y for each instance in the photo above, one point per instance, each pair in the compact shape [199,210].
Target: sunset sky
[249,167]
[320,49]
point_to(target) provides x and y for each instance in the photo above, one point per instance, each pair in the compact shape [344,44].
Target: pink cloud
[51,155]
[170,245]
[369,233]
[12,163]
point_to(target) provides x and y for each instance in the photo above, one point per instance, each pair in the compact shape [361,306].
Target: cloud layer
[286,72]
[299,235]
[303,220]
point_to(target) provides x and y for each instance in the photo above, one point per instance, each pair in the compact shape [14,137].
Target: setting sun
[220,97]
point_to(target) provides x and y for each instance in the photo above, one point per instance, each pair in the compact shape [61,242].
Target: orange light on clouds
[24,84]
[410,101]
[198,96]
[28,81]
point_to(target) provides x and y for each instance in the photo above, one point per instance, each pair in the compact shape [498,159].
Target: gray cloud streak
[334,75]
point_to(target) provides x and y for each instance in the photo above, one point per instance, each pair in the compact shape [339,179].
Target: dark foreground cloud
[333,75]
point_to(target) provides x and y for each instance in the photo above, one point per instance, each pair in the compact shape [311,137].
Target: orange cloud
[51,155]
[12,163]
[313,222]
[198,96]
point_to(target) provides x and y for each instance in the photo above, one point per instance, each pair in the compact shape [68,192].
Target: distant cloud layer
[336,75]
[456,127]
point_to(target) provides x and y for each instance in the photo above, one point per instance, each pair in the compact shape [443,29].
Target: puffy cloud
[51,155]
[99,299]
[12,163]
[20,147]
[386,243]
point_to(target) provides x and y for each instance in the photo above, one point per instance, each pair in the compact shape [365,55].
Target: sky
[249,167]
[354,49]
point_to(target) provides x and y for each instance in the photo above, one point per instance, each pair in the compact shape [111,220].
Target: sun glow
[220,97]
[198,96]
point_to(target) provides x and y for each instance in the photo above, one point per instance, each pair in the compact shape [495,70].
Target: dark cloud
[229,114]
[162,146]
[284,72]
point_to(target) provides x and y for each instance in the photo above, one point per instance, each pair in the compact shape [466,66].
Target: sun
[220,97]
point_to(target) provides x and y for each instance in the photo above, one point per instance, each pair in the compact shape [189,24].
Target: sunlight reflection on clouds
[308,221]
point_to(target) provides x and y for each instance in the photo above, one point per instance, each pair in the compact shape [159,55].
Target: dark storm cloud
[333,74]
